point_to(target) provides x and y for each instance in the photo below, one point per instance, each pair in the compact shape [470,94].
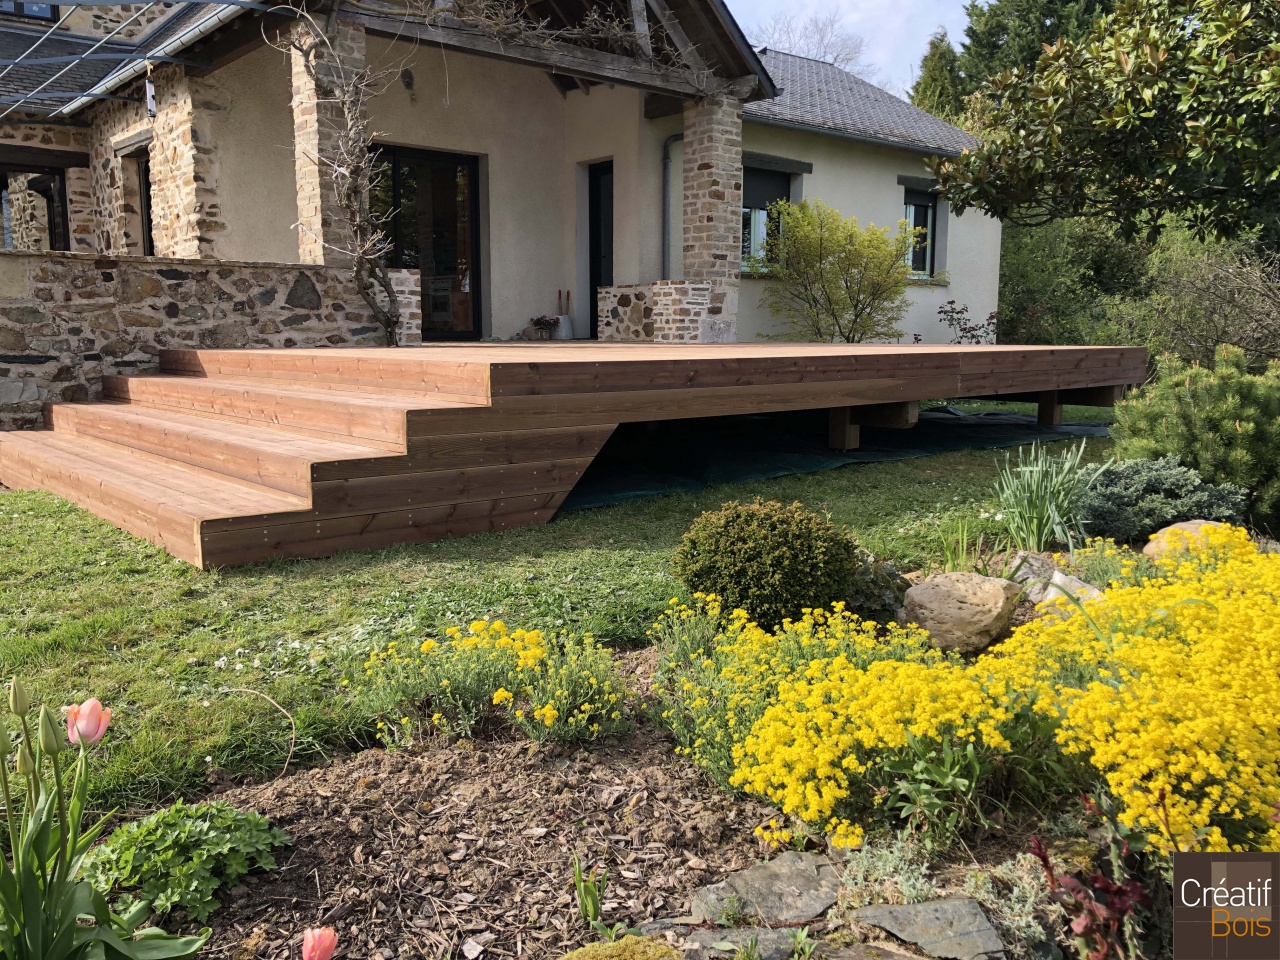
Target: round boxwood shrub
[1132,499]
[773,561]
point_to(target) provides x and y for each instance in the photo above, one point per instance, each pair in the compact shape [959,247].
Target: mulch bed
[463,848]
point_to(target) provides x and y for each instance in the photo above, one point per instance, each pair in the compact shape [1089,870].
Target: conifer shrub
[1132,499]
[773,561]
[1222,422]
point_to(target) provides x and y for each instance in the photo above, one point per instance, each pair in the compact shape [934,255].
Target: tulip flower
[318,943]
[87,722]
[50,742]
[19,702]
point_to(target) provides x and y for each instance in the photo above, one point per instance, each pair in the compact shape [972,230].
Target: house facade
[181,151]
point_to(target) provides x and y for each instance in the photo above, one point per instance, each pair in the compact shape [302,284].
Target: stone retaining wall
[670,311]
[67,319]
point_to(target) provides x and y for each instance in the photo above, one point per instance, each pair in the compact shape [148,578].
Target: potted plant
[541,328]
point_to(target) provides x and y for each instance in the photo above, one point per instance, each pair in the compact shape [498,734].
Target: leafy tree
[1004,34]
[1166,107]
[939,89]
[831,280]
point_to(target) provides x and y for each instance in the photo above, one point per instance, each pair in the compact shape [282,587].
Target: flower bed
[1160,690]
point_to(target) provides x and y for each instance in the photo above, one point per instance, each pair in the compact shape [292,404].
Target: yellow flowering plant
[1160,695]
[550,687]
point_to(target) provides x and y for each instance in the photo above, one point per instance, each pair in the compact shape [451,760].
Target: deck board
[239,456]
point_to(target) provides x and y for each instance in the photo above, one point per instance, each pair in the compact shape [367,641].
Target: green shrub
[1224,423]
[1132,499]
[1038,496]
[179,856]
[767,559]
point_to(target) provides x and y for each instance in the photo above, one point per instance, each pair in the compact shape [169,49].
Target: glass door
[429,207]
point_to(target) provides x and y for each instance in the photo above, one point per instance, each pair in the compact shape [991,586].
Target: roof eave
[768,89]
[850,135]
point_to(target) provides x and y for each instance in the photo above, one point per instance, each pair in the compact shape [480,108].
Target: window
[760,189]
[36,11]
[921,213]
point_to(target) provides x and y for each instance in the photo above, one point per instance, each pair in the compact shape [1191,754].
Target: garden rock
[954,928]
[1177,537]
[720,943]
[962,611]
[791,888]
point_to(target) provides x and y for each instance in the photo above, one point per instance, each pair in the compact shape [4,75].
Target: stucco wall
[862,180]
[253,136]
[534,145]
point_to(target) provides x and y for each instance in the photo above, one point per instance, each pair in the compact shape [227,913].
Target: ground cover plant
[85,609]
[178,857]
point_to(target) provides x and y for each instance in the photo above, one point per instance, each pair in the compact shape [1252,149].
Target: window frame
[758,222]
[20,12]
[911,201]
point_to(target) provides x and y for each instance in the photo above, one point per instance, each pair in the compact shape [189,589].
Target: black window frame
[778,187]
[911,201]
[50,183]
[393,154]
[20,11]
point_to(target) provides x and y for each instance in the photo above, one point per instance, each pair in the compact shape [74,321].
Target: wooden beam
[688,52]
[558,58]
[640,19]
[15,157]
[895,416]
[842,433]
[1049,413]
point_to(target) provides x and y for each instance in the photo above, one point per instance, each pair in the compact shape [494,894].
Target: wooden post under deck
[1049,413]
[844,424]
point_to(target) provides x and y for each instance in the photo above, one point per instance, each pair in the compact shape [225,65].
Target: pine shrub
[1132,499]
[774,561]
[1223,422]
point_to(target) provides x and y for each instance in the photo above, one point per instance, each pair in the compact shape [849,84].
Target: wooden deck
[236,456]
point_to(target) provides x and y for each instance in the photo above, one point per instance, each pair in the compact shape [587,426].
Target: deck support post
[844,424]
[1049,412]
[842,433]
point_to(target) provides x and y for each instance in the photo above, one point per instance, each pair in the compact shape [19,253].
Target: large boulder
[1177,537]
[962,611]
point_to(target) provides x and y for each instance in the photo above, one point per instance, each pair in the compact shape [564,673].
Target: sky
[896,31]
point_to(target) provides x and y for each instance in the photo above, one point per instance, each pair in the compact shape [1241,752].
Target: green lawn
[86,610]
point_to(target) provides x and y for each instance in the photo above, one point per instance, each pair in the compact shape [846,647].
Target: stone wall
[185,213]
[712,177]
[669,311]
[28,216]
[68,319]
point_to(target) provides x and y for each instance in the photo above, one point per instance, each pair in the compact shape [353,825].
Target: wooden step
[258,453]
[406,370]
[158,500]
[367,418]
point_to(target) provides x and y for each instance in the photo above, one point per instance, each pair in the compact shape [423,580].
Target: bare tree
[350,165]
[819,36]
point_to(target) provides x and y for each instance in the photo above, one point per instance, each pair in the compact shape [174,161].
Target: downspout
[666,203]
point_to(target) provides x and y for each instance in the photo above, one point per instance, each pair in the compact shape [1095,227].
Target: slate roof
[817,96]
[16,38]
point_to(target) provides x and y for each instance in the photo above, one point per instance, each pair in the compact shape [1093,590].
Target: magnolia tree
[831,280]
[1166,107]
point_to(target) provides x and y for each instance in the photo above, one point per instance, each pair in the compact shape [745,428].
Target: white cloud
[897,31]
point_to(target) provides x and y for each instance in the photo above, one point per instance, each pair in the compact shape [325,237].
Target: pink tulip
[87,722]
[318,943]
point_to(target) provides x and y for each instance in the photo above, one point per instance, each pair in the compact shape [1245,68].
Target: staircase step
[365,418]
[404,370]
[159,500]
[257,453]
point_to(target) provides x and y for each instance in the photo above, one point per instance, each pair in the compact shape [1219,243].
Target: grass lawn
[187,658]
